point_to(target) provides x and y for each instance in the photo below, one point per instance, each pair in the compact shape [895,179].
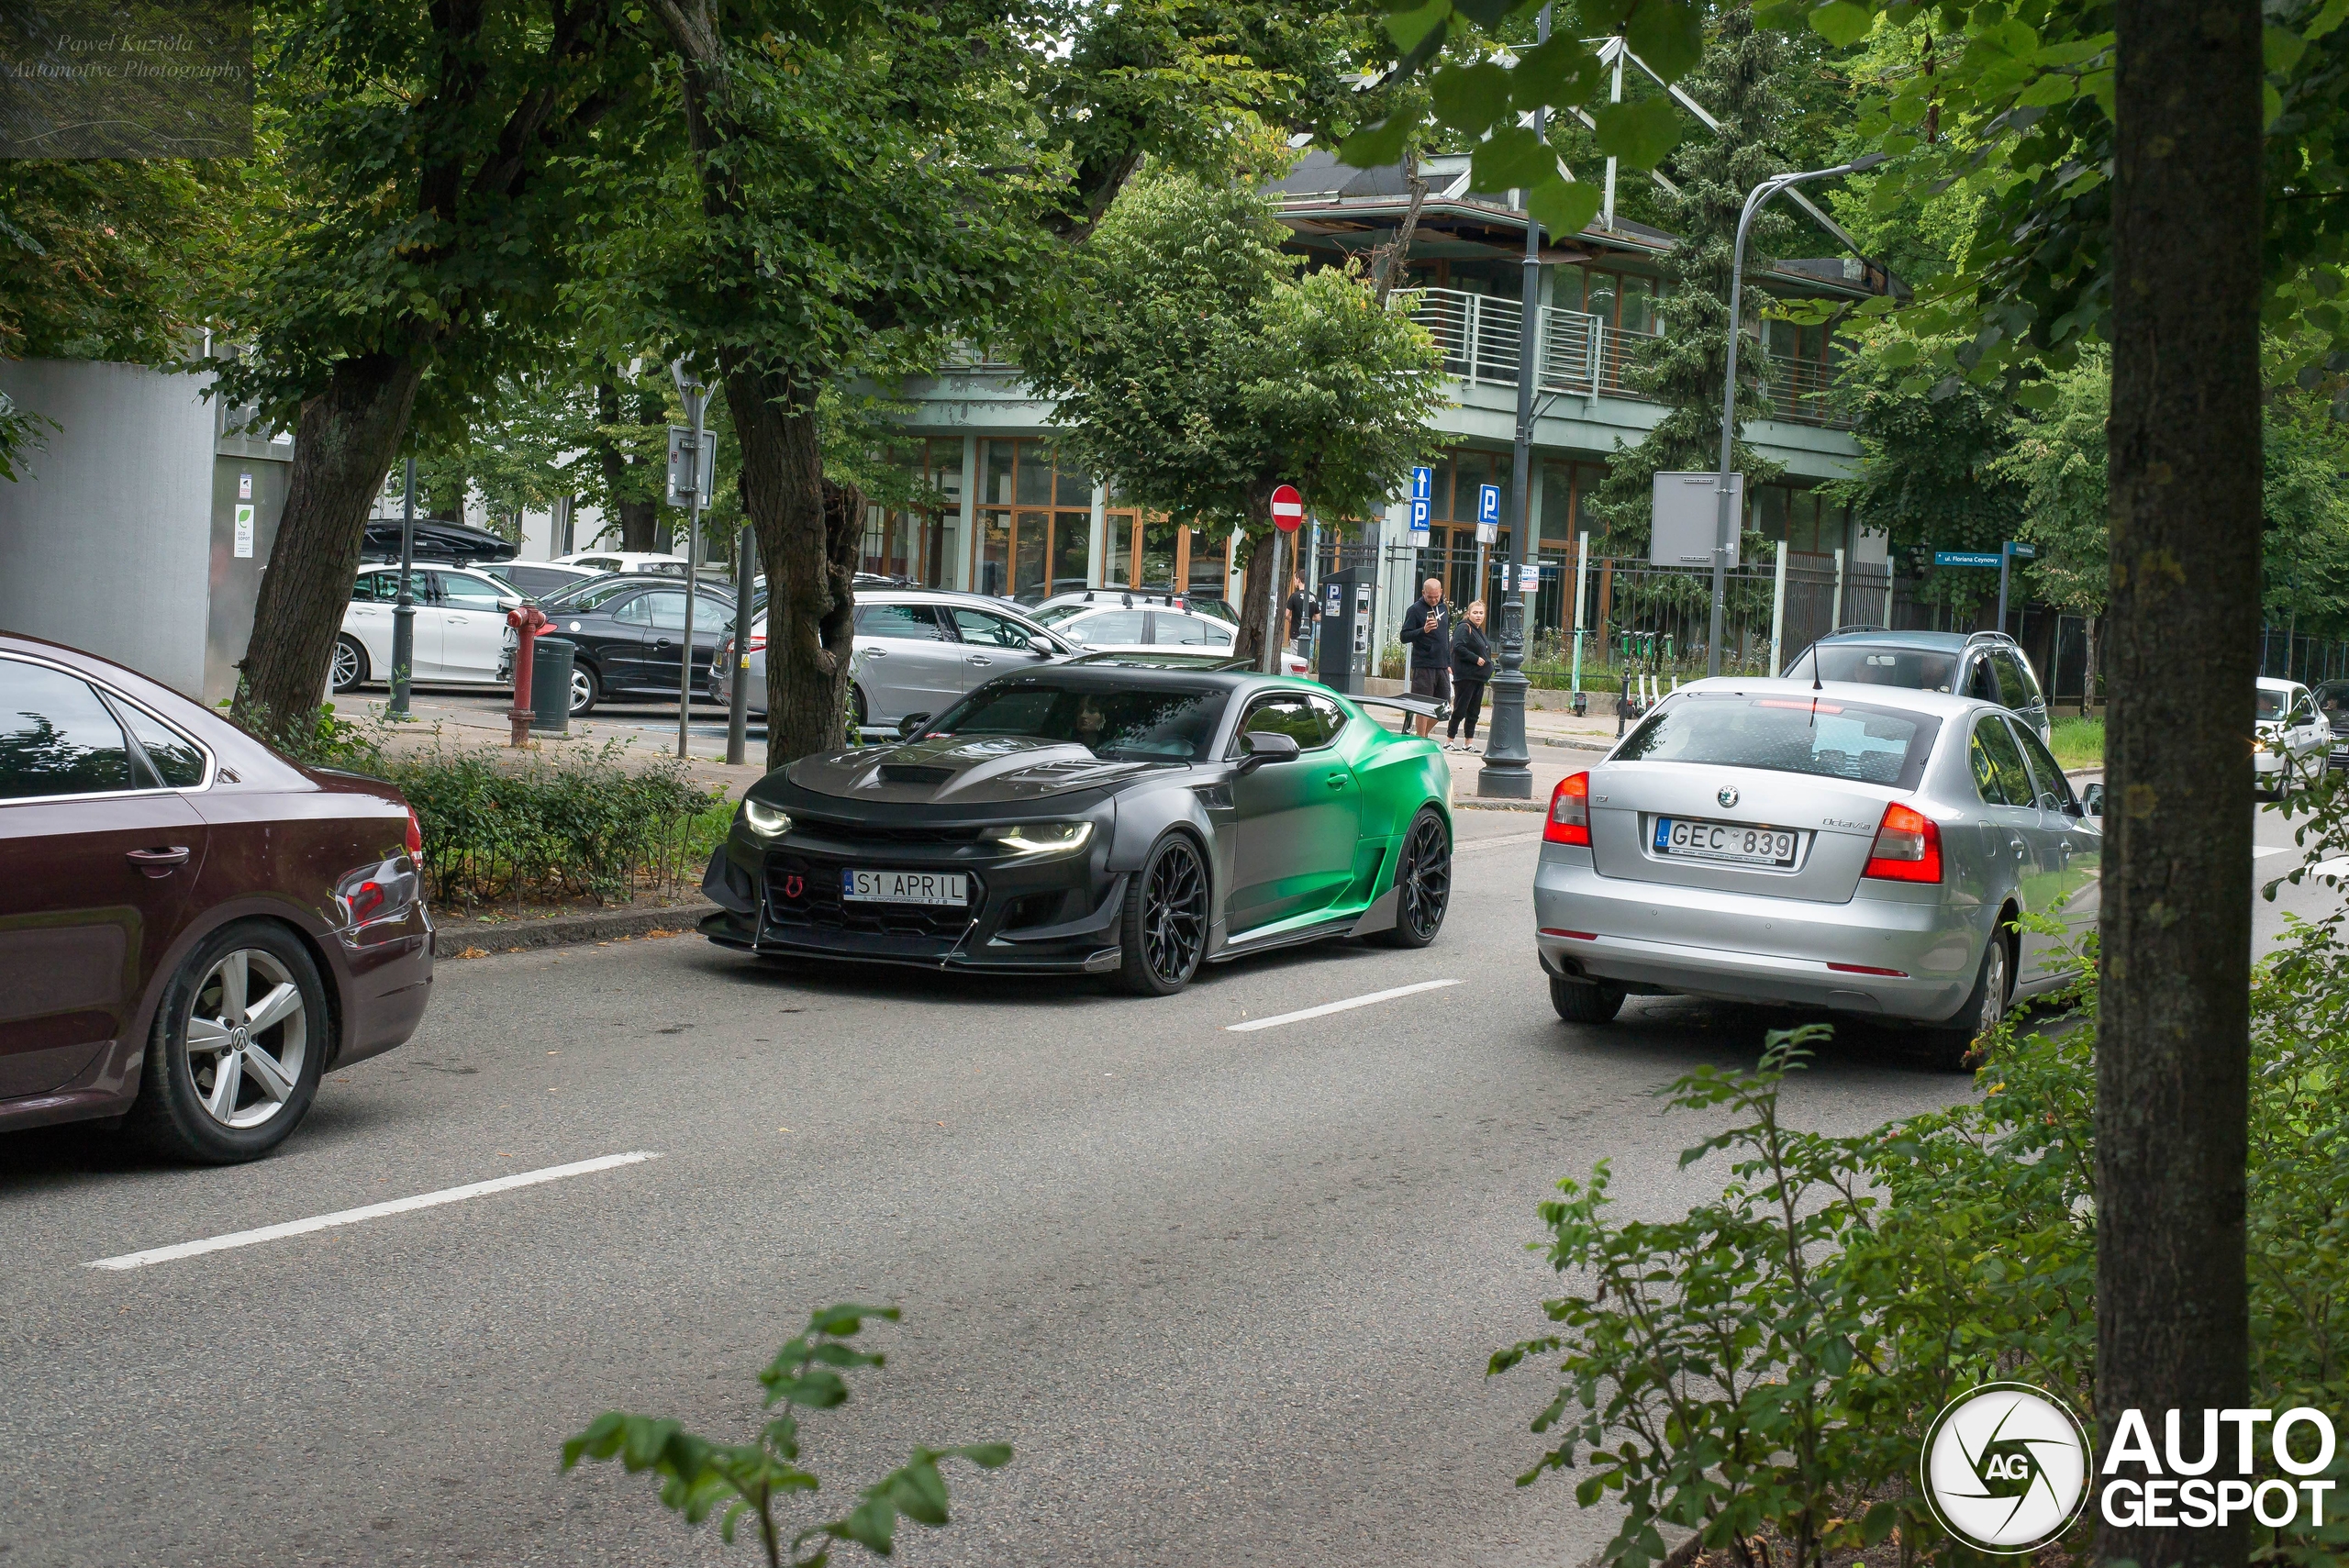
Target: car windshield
[1788,734]
[589,592]
[1917,669]
[2271,706]
[1059,613]
[2333,701]
[1171,723]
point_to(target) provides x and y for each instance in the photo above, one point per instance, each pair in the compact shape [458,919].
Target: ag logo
[2005,1468]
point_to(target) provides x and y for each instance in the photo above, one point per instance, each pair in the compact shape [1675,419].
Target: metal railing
[1581,354]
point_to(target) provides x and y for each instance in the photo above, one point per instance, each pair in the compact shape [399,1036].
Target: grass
[2078,742]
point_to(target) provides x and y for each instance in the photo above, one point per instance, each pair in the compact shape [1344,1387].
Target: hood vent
[914,774]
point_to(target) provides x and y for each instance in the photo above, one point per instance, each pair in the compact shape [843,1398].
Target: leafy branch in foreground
[750,1479]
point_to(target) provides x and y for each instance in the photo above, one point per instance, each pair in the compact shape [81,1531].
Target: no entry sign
[1289,509]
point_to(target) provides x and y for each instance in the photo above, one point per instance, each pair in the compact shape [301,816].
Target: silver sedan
[1850,849]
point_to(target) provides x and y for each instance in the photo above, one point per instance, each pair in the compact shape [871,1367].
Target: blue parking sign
[1489,503]
[1420,516]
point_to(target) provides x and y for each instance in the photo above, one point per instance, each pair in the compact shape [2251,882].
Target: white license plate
[1684,839]
[906,886]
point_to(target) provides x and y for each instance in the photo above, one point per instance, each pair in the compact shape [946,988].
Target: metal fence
[1579,353]
[2287,655]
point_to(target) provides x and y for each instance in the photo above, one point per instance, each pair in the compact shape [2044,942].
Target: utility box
[1341,647]
[1686,512]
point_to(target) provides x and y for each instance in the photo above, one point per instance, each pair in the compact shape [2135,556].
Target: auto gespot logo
[2007,1468]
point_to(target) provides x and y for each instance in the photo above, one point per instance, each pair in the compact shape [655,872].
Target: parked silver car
[1985,664]
[2290,739]
[916,650]
[1853,848]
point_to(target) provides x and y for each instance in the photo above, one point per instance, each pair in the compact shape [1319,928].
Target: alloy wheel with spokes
[1166,919]
[240,1040]
[246,1037]
[1423,883]
[349,664]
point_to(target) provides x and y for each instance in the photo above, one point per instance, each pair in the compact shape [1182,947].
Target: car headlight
[1042,838]
[764,820]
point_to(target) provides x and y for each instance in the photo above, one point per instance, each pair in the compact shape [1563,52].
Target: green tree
[417,261]
[2058,456]
[1201,369]
[2305,548]
[1687,368]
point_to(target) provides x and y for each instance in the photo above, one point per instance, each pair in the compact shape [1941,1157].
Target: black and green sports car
[1114,817]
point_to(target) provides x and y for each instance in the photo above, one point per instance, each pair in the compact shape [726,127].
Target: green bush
[505,827]
[751,1479]
[1762,1370]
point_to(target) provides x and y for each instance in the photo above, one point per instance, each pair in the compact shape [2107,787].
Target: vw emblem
[239,1037]
[1728,795]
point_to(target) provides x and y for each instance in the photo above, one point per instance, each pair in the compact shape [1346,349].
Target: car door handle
[661,642]
[1335,781]
[979,659]
[158,864]
[874,652]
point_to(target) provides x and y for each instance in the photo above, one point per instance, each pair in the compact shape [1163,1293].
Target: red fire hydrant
[528,623]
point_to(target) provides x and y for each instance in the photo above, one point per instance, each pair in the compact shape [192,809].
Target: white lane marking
[373,1211]
[1326,1009]
[2337,868]
[2278,849]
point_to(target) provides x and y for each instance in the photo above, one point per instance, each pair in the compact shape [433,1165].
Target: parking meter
[1343,644]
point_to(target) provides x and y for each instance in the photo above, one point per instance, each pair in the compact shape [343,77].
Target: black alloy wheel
[1422,883]
[1165,924]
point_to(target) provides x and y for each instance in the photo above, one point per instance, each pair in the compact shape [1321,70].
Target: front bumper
[1025,915]
[1732,947]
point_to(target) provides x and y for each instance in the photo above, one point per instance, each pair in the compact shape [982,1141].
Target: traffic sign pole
[1288,514]
[2006,561]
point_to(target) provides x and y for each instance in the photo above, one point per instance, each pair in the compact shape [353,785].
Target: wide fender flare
[1143,816]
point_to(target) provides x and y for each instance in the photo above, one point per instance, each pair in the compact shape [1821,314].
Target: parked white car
[2290,737]
[624,560]
[460,627]
[1107,625]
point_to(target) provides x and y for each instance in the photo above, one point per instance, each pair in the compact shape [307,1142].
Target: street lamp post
[1723,521]
[737,711]
[403,606]
[1508,772]
[690,389]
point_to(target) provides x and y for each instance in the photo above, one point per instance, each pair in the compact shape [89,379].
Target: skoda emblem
[1728,795]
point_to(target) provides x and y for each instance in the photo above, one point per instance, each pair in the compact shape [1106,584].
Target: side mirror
[510,601]
[2092,800]
[910,725]
[1261,746]
[1041,648]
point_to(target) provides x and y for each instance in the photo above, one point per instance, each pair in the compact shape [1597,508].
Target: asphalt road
[1230,1294]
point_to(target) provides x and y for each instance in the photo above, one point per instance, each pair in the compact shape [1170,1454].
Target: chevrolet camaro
[1125,817]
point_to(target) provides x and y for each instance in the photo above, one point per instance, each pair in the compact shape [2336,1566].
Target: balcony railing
[1581,354]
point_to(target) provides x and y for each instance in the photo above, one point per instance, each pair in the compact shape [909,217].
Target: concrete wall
[105,538]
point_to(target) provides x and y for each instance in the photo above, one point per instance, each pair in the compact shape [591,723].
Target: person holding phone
[1427,630]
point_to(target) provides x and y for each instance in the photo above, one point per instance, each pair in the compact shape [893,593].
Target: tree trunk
[2088,674]
[808,527]
[1255,582]
[2173,1052]
[640,521]
[343,445]
[1391,260]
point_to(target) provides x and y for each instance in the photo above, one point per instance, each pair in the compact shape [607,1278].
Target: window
[377,588]
[635,612]
[666,610]
[2271,706]
[459,592]
[989,630]
[177,759]
[910,622]
[595,596]
[1282,712]
[2303,711]
[57,737]
[1332,718]
[2013,690]
[1153,724]
[1111,629]
[601,563]
[1786,734]
[1188,631]
[1999,776]
[2054,789]
[1917,669]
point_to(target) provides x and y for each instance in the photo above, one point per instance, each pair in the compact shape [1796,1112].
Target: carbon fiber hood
[977,772]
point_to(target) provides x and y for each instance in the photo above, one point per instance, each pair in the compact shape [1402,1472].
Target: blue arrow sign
[1966,558]
[1489,503]
[1422,483]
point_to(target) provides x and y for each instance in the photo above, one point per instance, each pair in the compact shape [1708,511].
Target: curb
[1475,804]
[563,931]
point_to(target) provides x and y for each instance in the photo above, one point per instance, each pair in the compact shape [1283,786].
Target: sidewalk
[477,721]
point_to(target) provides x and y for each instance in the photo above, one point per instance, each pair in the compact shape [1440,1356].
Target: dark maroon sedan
[193,929]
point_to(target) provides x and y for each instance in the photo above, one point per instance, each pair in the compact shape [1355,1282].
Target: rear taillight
[415,835]
[758,641]
[1907,847]
[1569,819]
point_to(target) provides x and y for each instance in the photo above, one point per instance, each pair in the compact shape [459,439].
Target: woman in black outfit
[1472,666]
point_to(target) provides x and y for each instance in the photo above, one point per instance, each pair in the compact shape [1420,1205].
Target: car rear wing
[1425,707]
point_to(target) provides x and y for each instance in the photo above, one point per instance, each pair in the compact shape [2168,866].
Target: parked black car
[630,632]
[436,542]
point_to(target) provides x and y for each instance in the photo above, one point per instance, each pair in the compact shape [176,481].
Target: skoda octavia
[1853,848]
[1098,816]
